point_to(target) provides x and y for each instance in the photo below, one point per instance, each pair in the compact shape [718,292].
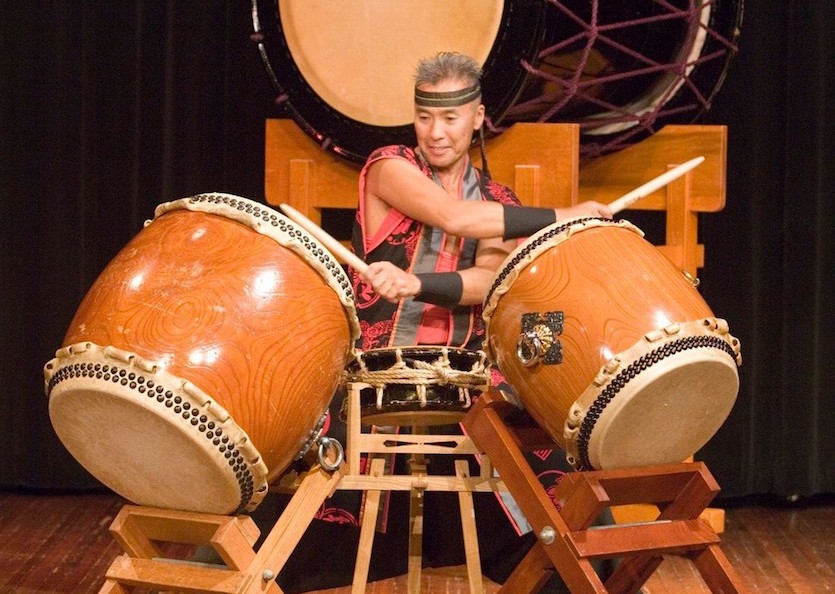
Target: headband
[447,99]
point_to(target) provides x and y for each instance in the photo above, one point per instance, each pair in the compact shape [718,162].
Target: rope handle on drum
[421,373]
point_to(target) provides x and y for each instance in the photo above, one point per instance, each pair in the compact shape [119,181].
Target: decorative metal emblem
[538,340]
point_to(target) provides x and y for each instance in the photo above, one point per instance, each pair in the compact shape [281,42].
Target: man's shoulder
[501,193]
[394,151]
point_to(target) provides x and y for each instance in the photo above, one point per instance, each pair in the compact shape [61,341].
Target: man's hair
[447,66]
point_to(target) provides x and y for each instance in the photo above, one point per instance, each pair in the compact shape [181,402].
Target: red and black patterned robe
[415,247]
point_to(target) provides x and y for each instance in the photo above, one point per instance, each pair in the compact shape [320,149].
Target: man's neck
[450,177]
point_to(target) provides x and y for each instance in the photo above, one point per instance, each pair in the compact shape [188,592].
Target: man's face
[444,134]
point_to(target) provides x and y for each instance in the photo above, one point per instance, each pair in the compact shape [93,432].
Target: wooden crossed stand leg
[567,544]
[144,564]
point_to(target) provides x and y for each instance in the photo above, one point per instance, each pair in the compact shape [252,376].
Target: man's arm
[394,183]
[393,284]
[490,255]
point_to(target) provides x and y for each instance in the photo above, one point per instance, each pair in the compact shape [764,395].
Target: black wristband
[522,221]
[440,288]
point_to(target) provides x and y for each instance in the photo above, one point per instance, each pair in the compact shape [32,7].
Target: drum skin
[245,320]
[616,292]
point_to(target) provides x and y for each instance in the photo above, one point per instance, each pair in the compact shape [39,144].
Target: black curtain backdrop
[110,108]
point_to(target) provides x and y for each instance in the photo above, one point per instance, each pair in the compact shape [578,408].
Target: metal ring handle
[324,444]
[529,348]
[693,280]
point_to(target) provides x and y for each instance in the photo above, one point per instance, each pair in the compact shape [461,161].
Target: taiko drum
[610,347]
[202,360]
[416,385]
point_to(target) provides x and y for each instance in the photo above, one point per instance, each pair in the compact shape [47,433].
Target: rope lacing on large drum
[630,372]
[574,84]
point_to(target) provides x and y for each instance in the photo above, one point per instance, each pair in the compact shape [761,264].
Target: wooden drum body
[202,360]
[612,349]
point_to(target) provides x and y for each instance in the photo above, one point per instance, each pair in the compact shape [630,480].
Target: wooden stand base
[143,565]
[567,544]
[417,445]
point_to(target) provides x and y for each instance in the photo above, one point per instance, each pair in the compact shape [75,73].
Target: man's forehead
[466,110]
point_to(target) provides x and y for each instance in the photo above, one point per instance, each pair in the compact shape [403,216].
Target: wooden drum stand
[567,544]
[418,444]
[142,532]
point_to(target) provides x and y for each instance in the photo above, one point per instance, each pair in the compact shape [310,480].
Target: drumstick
[339,250]
[662,180]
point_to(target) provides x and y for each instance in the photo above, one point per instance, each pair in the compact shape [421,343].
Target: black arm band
[440,288]
[522,221]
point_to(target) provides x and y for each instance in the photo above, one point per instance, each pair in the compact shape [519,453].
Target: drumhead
[344,70]
[659,412]
[149,436]
[355,71]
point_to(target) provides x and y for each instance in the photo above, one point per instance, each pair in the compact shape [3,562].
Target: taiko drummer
[433,227]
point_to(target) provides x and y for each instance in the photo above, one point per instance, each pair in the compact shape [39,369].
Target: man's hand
[390,282]
[590,208]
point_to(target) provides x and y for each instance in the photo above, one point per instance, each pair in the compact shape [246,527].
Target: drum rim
[419,348]
[397,352]
[427,378]
[615,375]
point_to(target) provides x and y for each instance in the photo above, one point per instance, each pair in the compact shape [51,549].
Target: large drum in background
[203,359]
[610,347]
[344,70]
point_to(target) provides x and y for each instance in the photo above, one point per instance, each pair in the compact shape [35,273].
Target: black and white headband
[447,98]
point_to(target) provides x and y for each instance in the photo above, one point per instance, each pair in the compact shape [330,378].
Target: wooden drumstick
[662,180]
[339,250]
